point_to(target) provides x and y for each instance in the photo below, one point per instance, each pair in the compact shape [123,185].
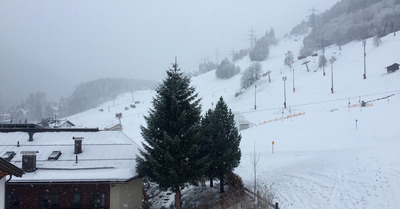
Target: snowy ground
[329,152]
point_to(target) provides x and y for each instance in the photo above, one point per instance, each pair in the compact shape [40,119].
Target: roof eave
[75,181]
[10,168]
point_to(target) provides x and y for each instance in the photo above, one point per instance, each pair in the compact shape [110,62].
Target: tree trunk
[221,183]
[178,199]
[211,182]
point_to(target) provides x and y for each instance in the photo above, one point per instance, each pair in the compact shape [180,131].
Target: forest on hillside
[85,96]
[348,20]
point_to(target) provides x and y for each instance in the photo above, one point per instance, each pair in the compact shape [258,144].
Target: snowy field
[329,152]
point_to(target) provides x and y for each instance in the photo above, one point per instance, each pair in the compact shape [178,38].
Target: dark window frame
[100,200]
[78,203]
[12,201]
[52,203]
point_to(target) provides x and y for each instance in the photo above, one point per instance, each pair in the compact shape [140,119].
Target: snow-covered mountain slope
[329,152]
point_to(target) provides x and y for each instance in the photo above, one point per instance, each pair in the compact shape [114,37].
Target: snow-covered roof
[106,156]
[67,124]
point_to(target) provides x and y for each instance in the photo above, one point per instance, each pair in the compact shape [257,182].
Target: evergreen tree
[226,69]
[377,41]
[171,157]
[239,55]
[225,153]
[271,36]
[35,105]
[206,67]
[206,144]
[260,51]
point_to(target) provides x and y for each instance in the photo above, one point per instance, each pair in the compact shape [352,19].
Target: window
[49,201]
[8,155]
[76,201]
[98,201]
[54,155]
[12,201]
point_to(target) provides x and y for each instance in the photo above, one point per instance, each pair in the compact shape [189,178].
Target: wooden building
[72,168]
[392,68]
[7,169]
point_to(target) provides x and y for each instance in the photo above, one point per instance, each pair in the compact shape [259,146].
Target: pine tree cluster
[179,145]
[260,50]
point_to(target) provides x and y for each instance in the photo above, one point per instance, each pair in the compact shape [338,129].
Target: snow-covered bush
[226,69]
[251,75]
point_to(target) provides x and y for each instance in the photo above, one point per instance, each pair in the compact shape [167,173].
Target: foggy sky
[51,46]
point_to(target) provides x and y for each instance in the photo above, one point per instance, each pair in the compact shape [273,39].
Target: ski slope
[329,152]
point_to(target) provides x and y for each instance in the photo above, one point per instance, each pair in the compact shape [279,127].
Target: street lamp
[332,60]
[284,90]
[255,97]
[364,42]
[294,89]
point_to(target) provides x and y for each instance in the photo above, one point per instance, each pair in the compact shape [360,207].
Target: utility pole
[252,37]
[284,90]
[313,10]
[312,21]
[255,97]
[364,42]
[312,17]
[233,54]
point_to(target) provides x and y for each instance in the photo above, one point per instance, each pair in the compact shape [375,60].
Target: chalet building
[5,118]
[392,68]
[71,168]
[67,124]
[57,123]
[10,170]
[117,127]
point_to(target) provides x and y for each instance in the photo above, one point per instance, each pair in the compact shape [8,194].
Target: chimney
[29,161]
[30,136]
[78,144]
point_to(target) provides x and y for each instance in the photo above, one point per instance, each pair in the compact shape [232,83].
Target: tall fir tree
[224,151]
[206,145]
[171,157]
